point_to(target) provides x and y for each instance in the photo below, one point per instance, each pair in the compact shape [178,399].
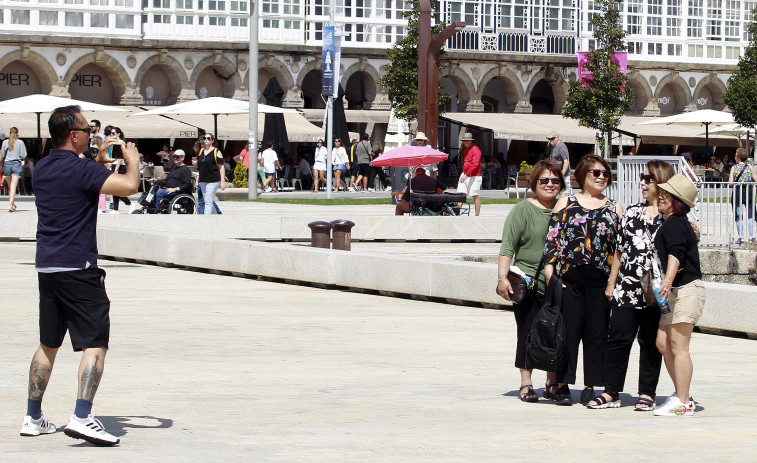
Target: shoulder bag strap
[736,180]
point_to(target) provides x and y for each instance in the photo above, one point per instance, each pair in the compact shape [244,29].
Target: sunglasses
[207,137]
[647,178]
[600,173]
[663,194]
[553,181]
[88,130]
[93,127]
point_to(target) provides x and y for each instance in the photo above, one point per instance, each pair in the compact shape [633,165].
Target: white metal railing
[713,210]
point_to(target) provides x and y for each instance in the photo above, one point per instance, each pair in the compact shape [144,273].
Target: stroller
[438,204]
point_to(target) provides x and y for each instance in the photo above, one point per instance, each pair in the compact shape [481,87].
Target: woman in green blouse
[523,239]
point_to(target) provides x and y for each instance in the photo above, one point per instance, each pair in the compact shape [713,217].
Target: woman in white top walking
[14,153]
[319,167]
[341,163]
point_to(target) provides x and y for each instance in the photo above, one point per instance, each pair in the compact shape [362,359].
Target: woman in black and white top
[676,245]
[630,314]
[212,172]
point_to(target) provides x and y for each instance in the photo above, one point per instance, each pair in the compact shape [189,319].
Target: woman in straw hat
[676,245]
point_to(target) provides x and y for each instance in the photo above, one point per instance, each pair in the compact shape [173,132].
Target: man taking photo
[72,293]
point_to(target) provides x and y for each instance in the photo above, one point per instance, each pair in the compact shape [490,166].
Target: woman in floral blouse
[580,246]
[631,314]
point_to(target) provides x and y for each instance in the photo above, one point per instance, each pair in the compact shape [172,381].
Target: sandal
[529,395]
[644,404]
[550,390]
[600,402]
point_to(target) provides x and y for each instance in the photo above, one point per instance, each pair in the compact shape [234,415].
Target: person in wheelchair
[177,182]
[420,183]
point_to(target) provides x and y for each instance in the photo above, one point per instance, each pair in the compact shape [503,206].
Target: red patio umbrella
[408,156]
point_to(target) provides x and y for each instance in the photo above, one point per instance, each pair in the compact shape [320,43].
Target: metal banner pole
[252,91]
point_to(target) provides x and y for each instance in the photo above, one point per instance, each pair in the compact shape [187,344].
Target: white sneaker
[371,190]
[674,407]
[388,188]
[351,189]
[32,427]
[91,430]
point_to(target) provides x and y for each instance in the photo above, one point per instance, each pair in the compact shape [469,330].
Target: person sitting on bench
[420,183]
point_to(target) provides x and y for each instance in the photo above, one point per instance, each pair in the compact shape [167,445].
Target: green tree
[741,94]
[401,78]
[602,102]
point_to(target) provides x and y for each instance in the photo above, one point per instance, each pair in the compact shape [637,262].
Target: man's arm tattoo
[39,375]
[90,380]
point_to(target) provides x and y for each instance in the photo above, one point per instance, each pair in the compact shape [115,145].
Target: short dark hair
[61,122]
[585,165]
[268,144]
[540,167]
[364,136]
[96,122]
[679,207]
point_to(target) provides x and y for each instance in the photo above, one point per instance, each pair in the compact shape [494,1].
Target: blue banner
[330,62]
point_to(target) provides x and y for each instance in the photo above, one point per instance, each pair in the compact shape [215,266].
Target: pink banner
[584,76]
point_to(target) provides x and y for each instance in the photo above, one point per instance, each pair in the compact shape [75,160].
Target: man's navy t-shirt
[66,188]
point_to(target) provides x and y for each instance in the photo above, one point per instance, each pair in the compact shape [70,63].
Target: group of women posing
[599,253]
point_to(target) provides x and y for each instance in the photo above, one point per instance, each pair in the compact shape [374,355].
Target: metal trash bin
[320,234]
[342,235]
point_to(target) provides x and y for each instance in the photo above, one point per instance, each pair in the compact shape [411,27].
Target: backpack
[545,343]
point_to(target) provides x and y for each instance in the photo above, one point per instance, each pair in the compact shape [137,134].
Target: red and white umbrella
[409,156]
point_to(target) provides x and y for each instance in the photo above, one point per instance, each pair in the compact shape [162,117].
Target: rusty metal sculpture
[429,49]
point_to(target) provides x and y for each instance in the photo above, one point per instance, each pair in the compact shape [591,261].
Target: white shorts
[471,186]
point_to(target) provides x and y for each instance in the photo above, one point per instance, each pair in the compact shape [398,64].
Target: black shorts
[74,301]
[354,169]
[364,169]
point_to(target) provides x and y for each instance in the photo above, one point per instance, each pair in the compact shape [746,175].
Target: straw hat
[420,136]
[682,188]
[467,137]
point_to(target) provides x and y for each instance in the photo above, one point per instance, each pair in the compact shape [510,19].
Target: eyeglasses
[600,172]
[553,181]
[647,178]
[88,130]
[663,194]
[177,156]
[93,127]
[114,133]
[207,137]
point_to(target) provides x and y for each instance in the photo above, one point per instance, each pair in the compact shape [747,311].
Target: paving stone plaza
[206,367]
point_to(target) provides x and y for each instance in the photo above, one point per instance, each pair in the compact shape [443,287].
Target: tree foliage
[601,103]
[401,78]
[741,94]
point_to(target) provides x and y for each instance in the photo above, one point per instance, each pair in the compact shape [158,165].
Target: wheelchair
[183,203]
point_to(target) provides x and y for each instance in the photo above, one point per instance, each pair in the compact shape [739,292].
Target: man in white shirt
[270,162]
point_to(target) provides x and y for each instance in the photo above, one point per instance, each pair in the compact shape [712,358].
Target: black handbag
[545,343]
[523,291]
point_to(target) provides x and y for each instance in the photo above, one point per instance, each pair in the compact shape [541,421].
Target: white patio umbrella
[214,106]
[39,104]
[705,117]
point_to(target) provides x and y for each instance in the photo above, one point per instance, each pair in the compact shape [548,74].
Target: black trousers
[625,323]
[585,311]
[525,313]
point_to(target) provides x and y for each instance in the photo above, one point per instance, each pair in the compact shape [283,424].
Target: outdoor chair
[284,178]
[512,179]
[297,179]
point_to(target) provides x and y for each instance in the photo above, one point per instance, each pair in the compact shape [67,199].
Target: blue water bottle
[661,301]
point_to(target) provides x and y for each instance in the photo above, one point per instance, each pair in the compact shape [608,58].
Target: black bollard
[320,234]
[342,234]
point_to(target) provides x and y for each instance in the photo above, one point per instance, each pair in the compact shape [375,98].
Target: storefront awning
[535,127]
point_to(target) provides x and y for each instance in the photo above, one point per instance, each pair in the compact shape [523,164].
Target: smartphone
[116,152]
